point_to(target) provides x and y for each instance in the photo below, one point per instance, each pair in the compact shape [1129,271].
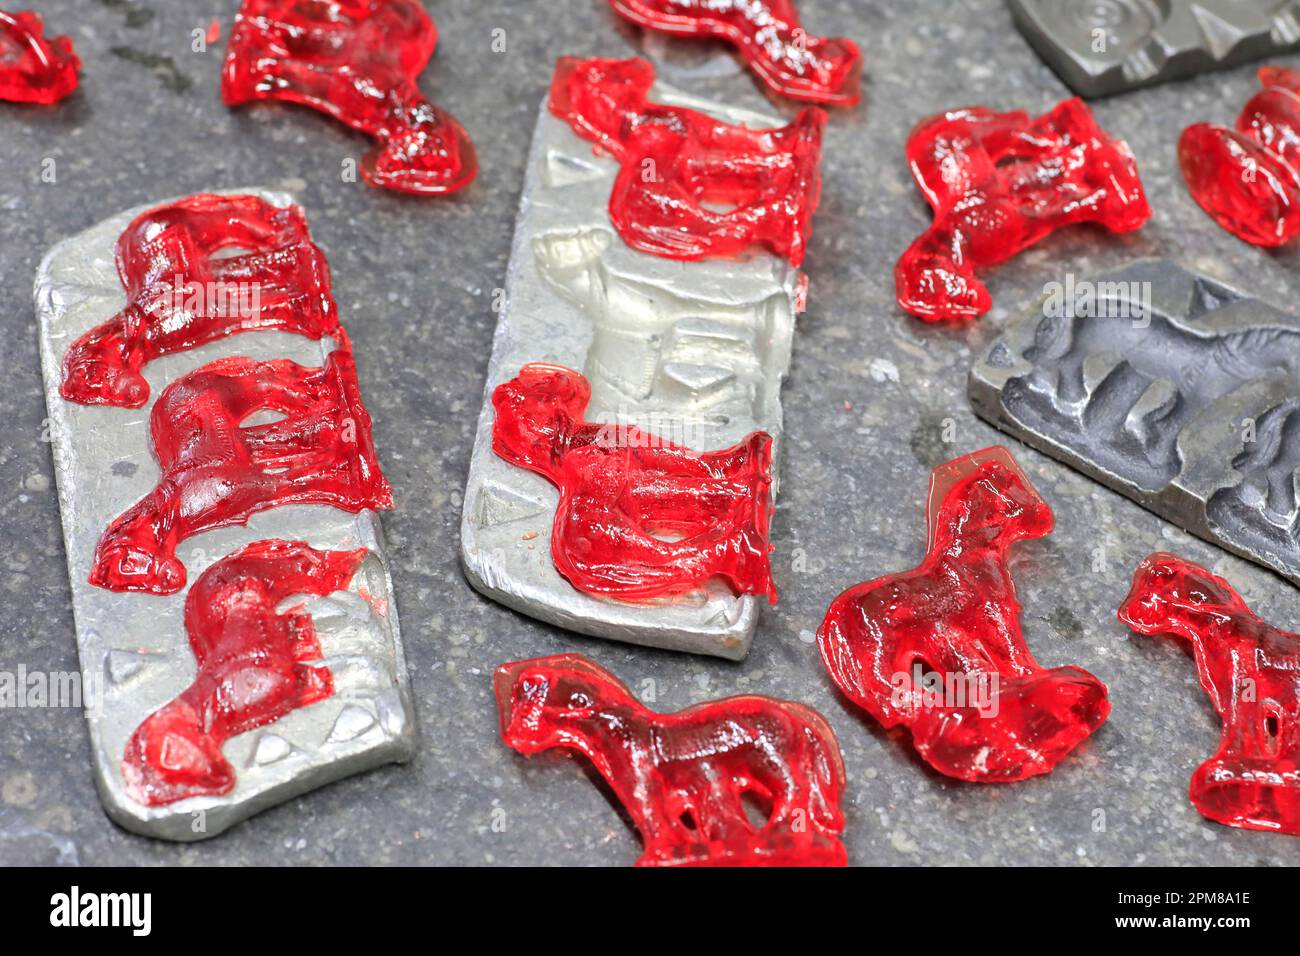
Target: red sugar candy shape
[639,517]
[999,183]
[678,165]
[769,38]
[34,68]
[954,619]
[1251,672]
[180,295]
[357,61]
[1247,178]
[217,473]
[255,665]
[684,777]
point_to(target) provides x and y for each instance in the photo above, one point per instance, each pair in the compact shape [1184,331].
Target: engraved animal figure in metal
[660,353]
[1262,509]
[218,471]
[1251,672]
[685,778]
[639,516]
[194,271]
[956,615]
[255,664]
[1101,47]
[1127,387]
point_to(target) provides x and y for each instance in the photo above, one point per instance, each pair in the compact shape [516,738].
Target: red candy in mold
[1248,178]
[939,649]
[255,665]
[1251,672]
[1000,182]
[357,61]
[684,778]
[677,163]
[767,33]
[34,68]
[181,295]
[218,471]
[639,517]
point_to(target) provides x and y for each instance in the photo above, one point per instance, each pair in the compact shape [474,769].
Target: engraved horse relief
[1121,390]
[657,353]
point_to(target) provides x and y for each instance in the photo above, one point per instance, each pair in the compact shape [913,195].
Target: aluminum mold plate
[1102,47]
[134,646]
[697,348]
[1181,393]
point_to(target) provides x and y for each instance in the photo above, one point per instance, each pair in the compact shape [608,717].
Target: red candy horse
[1000,182]
[684,777]
[217,473]
[255,666]
[357,61]
[180,295]
[34,69]
[639,516]
[1251,672]
[768,35]
[1247,178]
[675,160]
[939,649]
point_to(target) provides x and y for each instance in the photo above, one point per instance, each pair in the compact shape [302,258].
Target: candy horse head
[987,492]
[536,412]
[1170,595]
[544,701]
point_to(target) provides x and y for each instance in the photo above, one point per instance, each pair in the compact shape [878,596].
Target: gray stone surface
[867,403]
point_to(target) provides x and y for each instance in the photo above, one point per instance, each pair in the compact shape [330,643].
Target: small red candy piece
[34,69]
[1248,178]
[1000,182]
[939,650]
[357,61]
[639,517]
[255,665]
[180,295]
[216,471]
[684,777]
[768,35]
[676,162]
[1251,672]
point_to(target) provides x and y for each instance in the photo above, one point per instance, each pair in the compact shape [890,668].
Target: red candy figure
[180,295]
[217,473]
[639,516]
[1251,672]
[357,61]
[683,777]
[256,665]
[938,649]
[768,35]
[34,69]
[1247,178]
[676,160]
[1000,182]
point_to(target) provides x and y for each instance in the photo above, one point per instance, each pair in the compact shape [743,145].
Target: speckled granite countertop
[870,401]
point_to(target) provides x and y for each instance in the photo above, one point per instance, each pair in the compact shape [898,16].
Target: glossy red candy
[1000,182]
[181,295]
[1248,178]
[33,68]
[767,33]
[357,61]
[1251,672]
[939,650]
[679,165]
[639,517]
[255,665]
[684,778]
[218,471]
